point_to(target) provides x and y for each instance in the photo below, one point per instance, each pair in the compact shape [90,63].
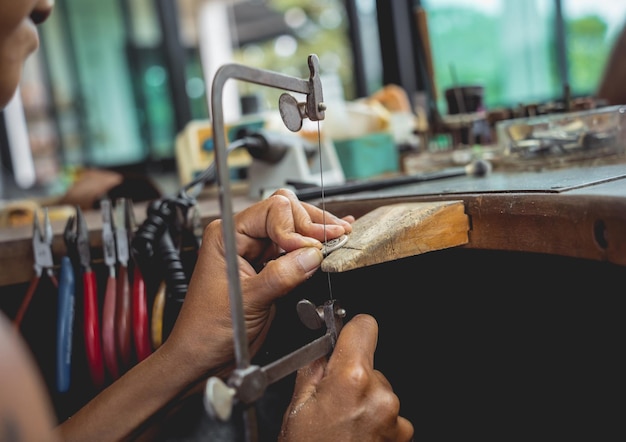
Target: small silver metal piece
[334,244]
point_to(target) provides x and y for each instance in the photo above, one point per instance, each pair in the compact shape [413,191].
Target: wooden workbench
[577,212]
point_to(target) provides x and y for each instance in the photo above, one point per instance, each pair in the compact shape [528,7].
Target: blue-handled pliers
[65,310]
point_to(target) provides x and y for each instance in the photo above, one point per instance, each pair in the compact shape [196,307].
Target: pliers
[141,331]
[110,293]
[78,243]
[65,309]
[43,263]
[123,305]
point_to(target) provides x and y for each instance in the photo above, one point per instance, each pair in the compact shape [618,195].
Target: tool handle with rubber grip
[17,321]
[140,316]
[123,318]
[65,324]
[91,327]
[158,308]
[108,327]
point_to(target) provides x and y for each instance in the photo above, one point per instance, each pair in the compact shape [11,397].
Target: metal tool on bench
[247,383]
[278,159]
[478,168]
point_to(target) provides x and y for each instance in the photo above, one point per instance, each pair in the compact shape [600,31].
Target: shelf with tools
[578,212]
[16,251]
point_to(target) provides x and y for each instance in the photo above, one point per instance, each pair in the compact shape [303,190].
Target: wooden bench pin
[400,230]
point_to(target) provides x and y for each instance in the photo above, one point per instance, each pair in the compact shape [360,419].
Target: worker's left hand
[345,398]
[279,243]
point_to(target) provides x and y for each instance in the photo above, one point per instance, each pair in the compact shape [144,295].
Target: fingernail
[310,258]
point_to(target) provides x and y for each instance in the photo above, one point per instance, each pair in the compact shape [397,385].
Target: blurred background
[114,82]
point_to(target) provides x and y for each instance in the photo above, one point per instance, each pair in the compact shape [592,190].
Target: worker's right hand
[279,242]
[346,398]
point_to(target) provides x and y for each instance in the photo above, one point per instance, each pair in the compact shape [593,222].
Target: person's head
[18,39]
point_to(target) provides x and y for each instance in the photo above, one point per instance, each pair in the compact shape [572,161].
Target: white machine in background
[285,160]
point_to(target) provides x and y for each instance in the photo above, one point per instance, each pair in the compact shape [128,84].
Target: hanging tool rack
[84,268]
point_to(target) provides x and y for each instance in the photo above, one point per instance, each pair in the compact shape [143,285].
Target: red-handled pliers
[91,320]
[141,331]
[110,292]
[123,306]
[43,263]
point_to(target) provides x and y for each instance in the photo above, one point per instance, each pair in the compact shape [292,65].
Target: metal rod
[298,358]
[258,76]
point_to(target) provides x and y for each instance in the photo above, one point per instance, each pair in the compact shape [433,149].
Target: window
[511,47]
[591,29]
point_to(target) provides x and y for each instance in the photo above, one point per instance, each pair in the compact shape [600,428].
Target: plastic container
[367,156]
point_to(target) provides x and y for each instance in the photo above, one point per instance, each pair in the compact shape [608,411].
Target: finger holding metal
[331,245]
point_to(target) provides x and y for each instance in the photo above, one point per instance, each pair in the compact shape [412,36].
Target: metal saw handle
[248,384]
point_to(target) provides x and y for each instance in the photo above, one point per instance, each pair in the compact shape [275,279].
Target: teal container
[368,156]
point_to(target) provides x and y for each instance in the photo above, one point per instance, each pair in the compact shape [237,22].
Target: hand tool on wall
[153,245]
[123,302]
[140,329]
[156,321]
[43,263]
[91,318]
[65,315]
[110,292]
[144,252]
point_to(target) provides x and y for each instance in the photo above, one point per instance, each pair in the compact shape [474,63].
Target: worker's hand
[345,398]
[279,243]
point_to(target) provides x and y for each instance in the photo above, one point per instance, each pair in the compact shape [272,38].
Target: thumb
[285,273]
[307,380]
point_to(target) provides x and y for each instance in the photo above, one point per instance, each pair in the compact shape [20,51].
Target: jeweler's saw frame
[248,382]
